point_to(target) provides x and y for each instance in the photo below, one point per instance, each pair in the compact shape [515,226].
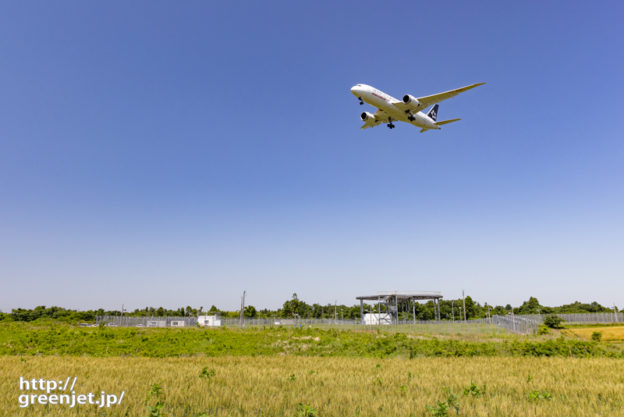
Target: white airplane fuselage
[385,102]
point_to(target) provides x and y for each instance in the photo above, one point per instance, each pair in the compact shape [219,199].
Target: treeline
[296,308]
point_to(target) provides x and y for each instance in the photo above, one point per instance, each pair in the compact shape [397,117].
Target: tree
[295,308]
[500,310]
[553,321]
[250,312]
[471,308]
[531,306]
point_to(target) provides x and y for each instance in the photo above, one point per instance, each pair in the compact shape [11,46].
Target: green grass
[62,339]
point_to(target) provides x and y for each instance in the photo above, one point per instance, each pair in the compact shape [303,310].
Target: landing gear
[391,126]
[361,101]
[411,118]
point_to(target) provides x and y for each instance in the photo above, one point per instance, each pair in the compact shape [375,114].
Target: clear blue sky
[166,153]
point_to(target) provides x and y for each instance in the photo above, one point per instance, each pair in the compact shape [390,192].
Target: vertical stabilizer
[433,113]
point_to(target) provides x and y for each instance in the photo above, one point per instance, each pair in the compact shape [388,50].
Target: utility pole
[335,311]
[242,310]
[464,303]
[452,312]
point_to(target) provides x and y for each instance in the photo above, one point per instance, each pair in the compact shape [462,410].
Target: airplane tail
[441,123]
[433,113]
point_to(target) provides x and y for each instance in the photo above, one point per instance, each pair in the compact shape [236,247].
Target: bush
[553,321]
[596,336]
[543,329]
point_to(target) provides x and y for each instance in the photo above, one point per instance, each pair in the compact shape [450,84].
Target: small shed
[209,321]
[373,319]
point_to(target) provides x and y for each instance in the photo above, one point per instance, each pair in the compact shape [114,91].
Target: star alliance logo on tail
[433,113]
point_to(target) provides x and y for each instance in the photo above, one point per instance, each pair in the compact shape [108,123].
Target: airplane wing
[380,117]
[427,101]
[436,98]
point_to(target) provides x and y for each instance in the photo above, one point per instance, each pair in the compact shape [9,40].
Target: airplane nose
[355,91]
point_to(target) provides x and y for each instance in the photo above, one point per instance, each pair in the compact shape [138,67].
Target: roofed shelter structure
[393,299]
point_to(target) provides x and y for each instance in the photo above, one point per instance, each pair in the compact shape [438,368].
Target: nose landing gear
[361,101]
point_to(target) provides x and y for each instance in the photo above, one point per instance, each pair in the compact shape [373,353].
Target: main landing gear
[391,125]
[410,116]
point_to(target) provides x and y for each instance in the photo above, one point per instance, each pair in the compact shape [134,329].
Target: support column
[396,309]
[438,309]
[362,311]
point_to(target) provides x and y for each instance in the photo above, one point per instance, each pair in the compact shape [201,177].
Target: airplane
[389,109]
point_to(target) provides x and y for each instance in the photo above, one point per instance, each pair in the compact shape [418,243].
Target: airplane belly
[390,110]
[395,113]
[375,101]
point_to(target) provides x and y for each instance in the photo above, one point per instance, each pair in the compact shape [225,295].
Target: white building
[373,319]
[209,321]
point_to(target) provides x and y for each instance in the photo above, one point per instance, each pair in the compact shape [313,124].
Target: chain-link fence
[521,324]
[582,318]
[516,324]
[132,321]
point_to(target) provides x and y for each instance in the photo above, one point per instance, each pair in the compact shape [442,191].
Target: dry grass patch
[276,386]
[609,333]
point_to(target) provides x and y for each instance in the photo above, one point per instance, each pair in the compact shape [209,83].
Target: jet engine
[411,99]
[367,116]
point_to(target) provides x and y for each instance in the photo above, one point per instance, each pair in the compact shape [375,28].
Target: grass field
[57,339]
[609,333]
[275,386]
[313,372]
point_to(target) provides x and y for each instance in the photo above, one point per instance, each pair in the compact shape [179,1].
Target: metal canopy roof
[387,295]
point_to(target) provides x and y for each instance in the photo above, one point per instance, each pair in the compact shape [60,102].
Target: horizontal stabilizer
[446,122]
[440,124]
